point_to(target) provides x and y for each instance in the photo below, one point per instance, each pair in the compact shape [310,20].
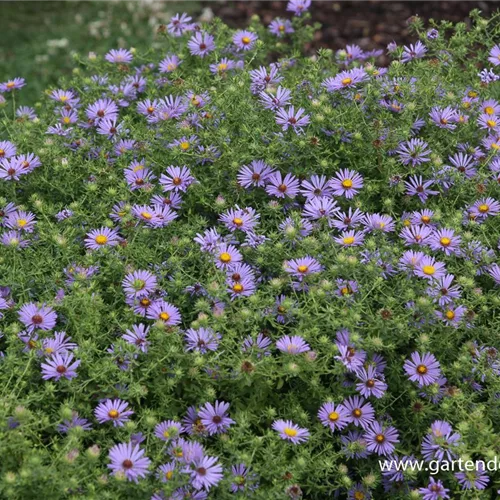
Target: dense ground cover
[229,269]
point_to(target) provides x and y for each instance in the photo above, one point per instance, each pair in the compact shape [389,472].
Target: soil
[369,24]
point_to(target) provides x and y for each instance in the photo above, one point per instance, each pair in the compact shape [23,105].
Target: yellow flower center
[483,208]
[425,219]
[22,222]
[49,350]
[237,221]
[333,416]
[113,414]
[222,66]
[63,98]
[357,412]
[238,287]
[450,314]
[489,110]
[422,369]
[225,257]
[66,119]
[345,291]
[359,495]
[10,85]
[184,145]
[290,432]
[347,183]
[302,269]
[166,434]
[346,81]
[472,93]
[491,123]
[138,167]
[171,67]
[281,27]
[164,316]
[246,40]
[429,270]
[445,241]
[146,215]
[348,240]
[380,438]
[169,474]
[101,239]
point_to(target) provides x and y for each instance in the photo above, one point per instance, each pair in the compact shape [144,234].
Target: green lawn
[38,38]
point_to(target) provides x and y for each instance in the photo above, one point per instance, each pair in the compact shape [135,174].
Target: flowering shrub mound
[227,269]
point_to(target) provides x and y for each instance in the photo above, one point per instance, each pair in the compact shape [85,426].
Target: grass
[39,38]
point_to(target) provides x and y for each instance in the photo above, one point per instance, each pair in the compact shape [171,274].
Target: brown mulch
[370,24]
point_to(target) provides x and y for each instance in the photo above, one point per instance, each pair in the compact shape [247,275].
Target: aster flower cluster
[229,270]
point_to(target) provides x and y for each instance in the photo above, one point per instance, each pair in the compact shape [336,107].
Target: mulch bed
[370,24]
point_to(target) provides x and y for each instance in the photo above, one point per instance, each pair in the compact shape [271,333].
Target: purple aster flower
[75,422]
[292,345]
[282,187]
[205,472]
[25,113]
[371,383]
[476,479]
[14,239]
[60,365]
[243,480]
[102,109]
[443,291]
[165,312]
[452,315]
[167,65]
[334,417]
[345,80]
[494,55]
[10,85]
[445,240]
[347,220]
[244,40]
[494,272]
[202,340]
[138,337]
[60,344]
[298,6]
[176,179]
[434,490]
[214,417]
[139,283]
[444,117]
[259,344]
[346,288]
[465,164]
[440,444]
[412,52]
[120,56]
[109,127]
[414,152]
[34,317]
[129,460]
[346,183]
[7,150]
[280,27]
[179,23]
[21,220]
[263,78]
[423,369]
[275,100]
[302,267]
[352,358]
[103,237]
[416,186]
[223,66]
[320,208]
[165,473]
[318,186]
[484,207]
[290,431]
[489,123]
[115,411]
[380,439]
[11,169]
[354,445]
[359,411]
[350,238]
[288,117]
[139,178]
[244,219]
[226,255]
[416,235]
[168,429]
[429,268]
[378,222]
[201,44]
